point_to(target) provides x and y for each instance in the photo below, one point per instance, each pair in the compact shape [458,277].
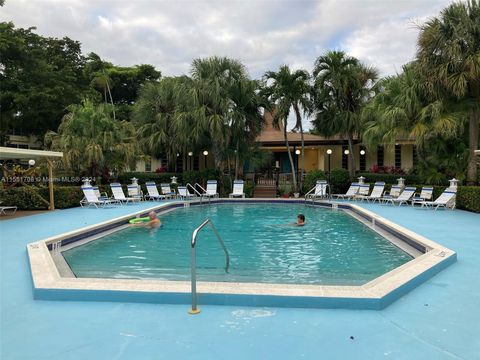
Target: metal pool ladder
[194,309]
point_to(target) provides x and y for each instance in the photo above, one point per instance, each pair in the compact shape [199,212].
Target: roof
[274,136]
[14,153]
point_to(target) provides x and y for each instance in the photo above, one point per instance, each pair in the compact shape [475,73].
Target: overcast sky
[263,34]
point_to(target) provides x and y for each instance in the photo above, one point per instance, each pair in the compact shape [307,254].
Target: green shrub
[390,178]
[468,198]
[26,198]
[339,181]
[311,179]
[249,188]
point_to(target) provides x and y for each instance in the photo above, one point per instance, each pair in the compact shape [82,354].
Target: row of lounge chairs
[396,195]
[92,195]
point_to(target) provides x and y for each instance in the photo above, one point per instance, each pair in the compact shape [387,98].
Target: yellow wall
[311,159]
[407,157]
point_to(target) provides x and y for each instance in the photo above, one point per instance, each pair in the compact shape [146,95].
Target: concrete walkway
[438,320]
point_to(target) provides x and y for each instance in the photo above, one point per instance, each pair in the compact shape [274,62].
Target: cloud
[262,34]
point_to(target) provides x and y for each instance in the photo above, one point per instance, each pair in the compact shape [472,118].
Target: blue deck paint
[438,320]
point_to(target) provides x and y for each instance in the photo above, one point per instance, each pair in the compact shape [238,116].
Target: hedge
[468,198]
[30,198]
[389,178]
[143,177]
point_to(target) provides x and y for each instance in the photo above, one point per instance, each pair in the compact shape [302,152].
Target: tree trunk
[111,99]
[290,156]
[236,162]
[473,145]
[299,122]
[351,157]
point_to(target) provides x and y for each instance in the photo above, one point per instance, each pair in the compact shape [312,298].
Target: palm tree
[449,56]
[288,90]
[342,86]
[92,141]
[404,108]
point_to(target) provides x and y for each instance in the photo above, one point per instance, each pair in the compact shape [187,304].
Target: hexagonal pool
[332,248]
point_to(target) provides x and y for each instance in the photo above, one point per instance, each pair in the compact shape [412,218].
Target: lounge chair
[3,208]
[211,191]
[320,190]
[363,191]
[184,194]
[425,195]
[376,193]
[237,189]
[166,190]
[92,198]
[134,191]
[153,192]
[120,196]
[404,197]
[446,199]
[351,192]
[99,195]
[394,193]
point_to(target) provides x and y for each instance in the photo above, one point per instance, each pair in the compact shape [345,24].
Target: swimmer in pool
[153,223]
[300,220]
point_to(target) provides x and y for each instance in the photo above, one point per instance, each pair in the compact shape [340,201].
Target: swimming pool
[333,248]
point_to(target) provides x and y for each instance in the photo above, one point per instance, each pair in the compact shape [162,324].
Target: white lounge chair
[376,193]
[134,191]
[237,189]
[166,190]
[351,192]
[394,193]
[92,198]
[184,194]
[320,190]
[211,191]
[120,196]
[153,192]
[425,195]
[404,197]
[363,191]
[99,195]
[446,199]
[4,208]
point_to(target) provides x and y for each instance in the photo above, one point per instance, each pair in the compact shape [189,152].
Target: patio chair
[120,196]
[425,195]
[211,191]
[404,197]
[134,191]
[320,190]
[363,191]
[167,190]
[237,189]
[394,193]
[446,199]
[4,208]
[92,198]
[99,195]
[153,192]
[352,190]
[184,194]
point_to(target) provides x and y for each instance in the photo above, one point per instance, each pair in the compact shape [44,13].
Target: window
[398,156]
[196,163]
[344,157]
[148,165]
[415,156]
[179,164]
[363,159]
[380,157]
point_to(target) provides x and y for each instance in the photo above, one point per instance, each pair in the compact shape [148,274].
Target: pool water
[331,249]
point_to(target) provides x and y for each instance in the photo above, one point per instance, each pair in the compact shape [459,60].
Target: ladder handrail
[193,188]
[201,187]
[193,265]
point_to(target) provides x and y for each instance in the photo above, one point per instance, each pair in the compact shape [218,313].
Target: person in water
[153,223]
[300,220]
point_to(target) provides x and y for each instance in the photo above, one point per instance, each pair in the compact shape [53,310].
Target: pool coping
[378,293]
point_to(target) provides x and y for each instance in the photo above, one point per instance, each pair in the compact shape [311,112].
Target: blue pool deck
[440,319]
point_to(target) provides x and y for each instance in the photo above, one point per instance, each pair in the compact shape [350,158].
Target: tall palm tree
[449,56]
[92,141]
[342,86]
[405,108]
[287,90]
